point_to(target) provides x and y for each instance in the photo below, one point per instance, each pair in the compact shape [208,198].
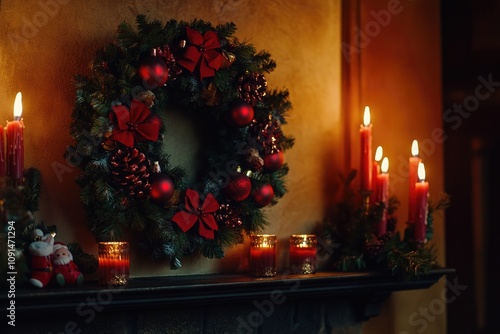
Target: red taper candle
[366,152]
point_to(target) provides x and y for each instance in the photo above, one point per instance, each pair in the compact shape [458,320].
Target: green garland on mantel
[357,248]
[129,187]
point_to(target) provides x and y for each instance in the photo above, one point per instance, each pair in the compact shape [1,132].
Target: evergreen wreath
[128,184]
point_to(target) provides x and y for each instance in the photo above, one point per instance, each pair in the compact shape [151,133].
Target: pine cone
[252,87]
[266,135]
[228,215]
[167,56]
[373,248]
[385,237]
[130,169]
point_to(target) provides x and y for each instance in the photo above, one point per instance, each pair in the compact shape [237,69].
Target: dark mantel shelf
[143,293]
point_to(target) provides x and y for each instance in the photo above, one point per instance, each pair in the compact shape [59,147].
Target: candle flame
[414,148]
[385,165]
[421,171]
[18,105]
[366,116]
[379,153]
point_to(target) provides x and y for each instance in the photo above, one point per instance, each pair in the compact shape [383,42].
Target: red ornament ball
[153,72]
[162,188]
[155,120]
[238,188]
[264,195]
[274,161]
[242,114]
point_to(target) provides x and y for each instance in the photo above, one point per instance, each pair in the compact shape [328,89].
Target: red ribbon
[201,50]
[132,125]
[194,213]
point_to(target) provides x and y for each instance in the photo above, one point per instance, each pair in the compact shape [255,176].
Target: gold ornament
[147,97]
[210,95]
[229,58]
[254,160]
[108,144]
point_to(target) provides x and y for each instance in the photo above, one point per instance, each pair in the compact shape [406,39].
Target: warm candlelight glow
[303,253]
[366,116]
[263,255]
[15,142]
[421,171]
[18,106]
[414,148]
[385,165]
[422,206]
[379,153]
[114,263]
[366,158]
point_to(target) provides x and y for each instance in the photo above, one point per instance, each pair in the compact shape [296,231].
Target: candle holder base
[365,195]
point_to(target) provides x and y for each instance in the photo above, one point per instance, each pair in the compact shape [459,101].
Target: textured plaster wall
[42,47]
[400,81]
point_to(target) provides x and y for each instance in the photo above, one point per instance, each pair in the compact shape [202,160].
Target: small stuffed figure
[65,270]
[41,262]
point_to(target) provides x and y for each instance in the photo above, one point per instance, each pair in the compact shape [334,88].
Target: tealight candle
[114,263]
[303,253]
[263,254]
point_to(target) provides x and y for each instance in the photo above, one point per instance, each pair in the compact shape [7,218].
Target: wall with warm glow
[42,48]
[398,67]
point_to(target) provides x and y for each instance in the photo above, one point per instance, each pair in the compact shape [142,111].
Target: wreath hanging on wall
[128,184]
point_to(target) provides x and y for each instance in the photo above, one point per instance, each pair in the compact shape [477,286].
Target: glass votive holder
[263,255]
[114,263]
[303,253]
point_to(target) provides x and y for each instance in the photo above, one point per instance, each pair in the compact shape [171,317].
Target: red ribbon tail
[124,137]
[205,70]
[147,131]
[194,36]
[209,220]
[210,204]
[205,232]
[192,200]
[120,117]
[185,220]
[138,112]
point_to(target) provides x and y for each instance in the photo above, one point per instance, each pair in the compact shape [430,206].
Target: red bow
[131,125]
[201,50]
[193,213]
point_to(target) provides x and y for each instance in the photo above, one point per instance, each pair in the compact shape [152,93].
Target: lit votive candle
[303,253]
[263,254]
[114,263]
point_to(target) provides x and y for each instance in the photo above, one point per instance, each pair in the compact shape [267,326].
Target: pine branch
[226,30]
[86,263]
[32,189]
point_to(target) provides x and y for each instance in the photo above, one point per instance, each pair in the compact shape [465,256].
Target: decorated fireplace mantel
[199,302]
